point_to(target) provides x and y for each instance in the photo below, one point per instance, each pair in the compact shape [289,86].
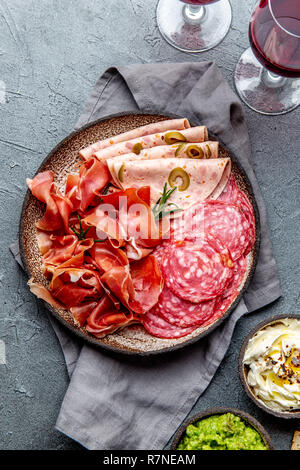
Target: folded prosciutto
[193,134]
[153,128]
[138,286]
[104,320]
[195,180]
[58,207]
[126,216]
[103,282]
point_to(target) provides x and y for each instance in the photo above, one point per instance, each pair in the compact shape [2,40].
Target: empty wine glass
[267,74]
[194,25]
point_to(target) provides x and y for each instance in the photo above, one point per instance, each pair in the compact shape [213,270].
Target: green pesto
[221,432]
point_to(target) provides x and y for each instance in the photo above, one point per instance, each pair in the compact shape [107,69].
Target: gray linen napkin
[116,402]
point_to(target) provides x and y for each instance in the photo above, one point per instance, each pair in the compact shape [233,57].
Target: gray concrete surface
[51,53]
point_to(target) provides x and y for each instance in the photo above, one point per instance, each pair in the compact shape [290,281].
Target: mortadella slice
[196,150]
[153,128]
[195,180]
[209,149]
[222,183]
[193,134]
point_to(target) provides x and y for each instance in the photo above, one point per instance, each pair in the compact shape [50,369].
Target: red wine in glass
[199,2]
[274,34]
[267,74]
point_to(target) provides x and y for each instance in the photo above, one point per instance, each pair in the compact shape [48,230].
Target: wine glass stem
[272,80]
[194,14]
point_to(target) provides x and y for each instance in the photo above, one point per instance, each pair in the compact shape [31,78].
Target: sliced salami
[225,222]
[158,326]
[181,313]
[196,271]
[231,292]
[234,195]
[239,270]
[221,307]
[159,251]
[230,192]
[246,207]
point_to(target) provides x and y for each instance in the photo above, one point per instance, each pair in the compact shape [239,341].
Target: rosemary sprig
[106,189]
[82,233]
[161,207]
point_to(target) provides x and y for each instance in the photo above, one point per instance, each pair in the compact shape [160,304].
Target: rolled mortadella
[196,180]
[153,128]
[197,151]
[192,134]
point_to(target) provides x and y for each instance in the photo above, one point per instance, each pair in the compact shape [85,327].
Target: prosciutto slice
[205,177]
[41,292]
[93,176]
[193,134]
[138,286]
[60,248]
[58,207]
[71,190]
[82,312]
[69,287]
[104,319]
[126,216]
[71,296]
[107,257]
[153,128]
[78,257]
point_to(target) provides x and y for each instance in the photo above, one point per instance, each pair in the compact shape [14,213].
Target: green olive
[173,137]
[179,148]
[193,151]
[121,172]
[208,151]
[137,148]
[179,173]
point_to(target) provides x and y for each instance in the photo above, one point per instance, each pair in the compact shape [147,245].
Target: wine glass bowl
[267,74]
[194,25]
[274,37]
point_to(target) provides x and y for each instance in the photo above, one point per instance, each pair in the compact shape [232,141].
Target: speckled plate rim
[219,411]
[97,342]
[242,368]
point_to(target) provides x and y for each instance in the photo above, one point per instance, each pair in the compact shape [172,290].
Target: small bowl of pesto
[222,429]
[269,366]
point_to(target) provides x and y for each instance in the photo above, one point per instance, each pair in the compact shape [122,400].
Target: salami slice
[158,326]
[225,222]
[234,195]
[181,313]
[230,192]
[239,270]
[231,292]
[246,207]
[159,251]
[221,307]
[196,271]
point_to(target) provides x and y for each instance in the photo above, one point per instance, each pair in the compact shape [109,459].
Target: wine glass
[194,25]
[267,74]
